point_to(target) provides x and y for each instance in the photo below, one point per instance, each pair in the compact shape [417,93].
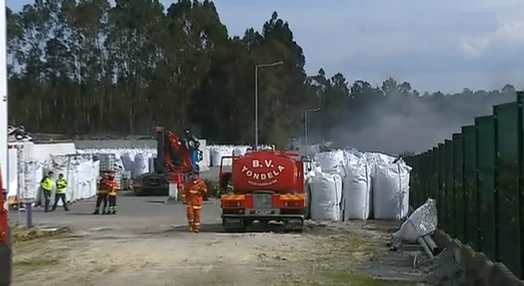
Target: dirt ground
[147,243]
[323,255]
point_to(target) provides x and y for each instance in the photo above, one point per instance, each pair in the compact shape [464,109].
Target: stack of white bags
[348,184]
[217,152]
[81,172]
[136,161]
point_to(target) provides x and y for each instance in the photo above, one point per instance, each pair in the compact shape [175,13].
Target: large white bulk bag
[215,157]
[13,172]
[330,162]
[238,152]
[128,160]
[357,190]
[32,176]
[326,193]
[391,191]
[152,164]
[141,165]
[206,158]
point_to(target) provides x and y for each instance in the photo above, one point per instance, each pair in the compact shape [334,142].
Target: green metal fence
[477,180]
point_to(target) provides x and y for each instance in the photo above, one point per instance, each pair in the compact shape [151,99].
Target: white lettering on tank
[262,178]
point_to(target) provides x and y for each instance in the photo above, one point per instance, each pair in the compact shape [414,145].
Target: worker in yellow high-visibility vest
[47,189]
[61,189]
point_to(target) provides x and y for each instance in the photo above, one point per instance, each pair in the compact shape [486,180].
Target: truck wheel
[295,228]
[231,228]
[6,262]
[139,192]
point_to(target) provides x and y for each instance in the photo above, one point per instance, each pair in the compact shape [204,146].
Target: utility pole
[268,65]
[306,122]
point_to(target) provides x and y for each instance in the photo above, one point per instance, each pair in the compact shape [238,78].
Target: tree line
[93,67]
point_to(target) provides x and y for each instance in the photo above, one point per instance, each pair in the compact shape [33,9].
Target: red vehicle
[172,157]
[267,186]
[6,258]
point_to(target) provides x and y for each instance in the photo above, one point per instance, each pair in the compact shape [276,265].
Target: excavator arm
[172,155]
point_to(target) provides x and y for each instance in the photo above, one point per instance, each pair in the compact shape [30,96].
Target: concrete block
[456,246]
[467,255]
[442,239]
[500,275]
[478,268]
[483,264]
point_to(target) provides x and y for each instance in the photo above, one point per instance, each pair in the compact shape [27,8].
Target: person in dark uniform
[102,195]
[61,189]
[47,188]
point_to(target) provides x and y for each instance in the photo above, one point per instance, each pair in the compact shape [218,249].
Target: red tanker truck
[266,186]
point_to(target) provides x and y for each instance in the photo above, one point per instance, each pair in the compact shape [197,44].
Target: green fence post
[441,190]
[450,198]
[412,179]
[458,168]
[420,181]
[429,173]
[520,138]
[472,208]
[506,182]
[485,141]
[415,164]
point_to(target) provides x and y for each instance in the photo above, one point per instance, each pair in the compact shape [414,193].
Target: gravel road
[147,243]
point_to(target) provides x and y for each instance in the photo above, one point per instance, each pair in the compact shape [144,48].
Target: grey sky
[436,45]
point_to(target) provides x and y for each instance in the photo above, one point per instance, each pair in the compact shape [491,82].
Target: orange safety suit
[193,198]
[112,187]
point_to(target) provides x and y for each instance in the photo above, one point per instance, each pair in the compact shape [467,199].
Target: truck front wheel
[229,226]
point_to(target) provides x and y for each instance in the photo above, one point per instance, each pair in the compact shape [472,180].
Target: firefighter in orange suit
[111,195]
[101,195]
[193,198]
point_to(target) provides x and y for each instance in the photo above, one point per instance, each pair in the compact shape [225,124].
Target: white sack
[128,160]
[141,165]
[330,162]
[357,189]
[81,174]
[238,151]
[13,172]
[326,193]
[390,189]
[421,222]
[151,164]
[32,176]
[217,154]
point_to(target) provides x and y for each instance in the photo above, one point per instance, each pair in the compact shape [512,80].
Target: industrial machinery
[267,186]
[174,155]
[6,258]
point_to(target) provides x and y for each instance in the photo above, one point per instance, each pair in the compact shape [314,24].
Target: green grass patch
[23,267]
[20,234]
[357,279]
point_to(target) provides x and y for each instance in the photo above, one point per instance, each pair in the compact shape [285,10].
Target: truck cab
[267,185]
